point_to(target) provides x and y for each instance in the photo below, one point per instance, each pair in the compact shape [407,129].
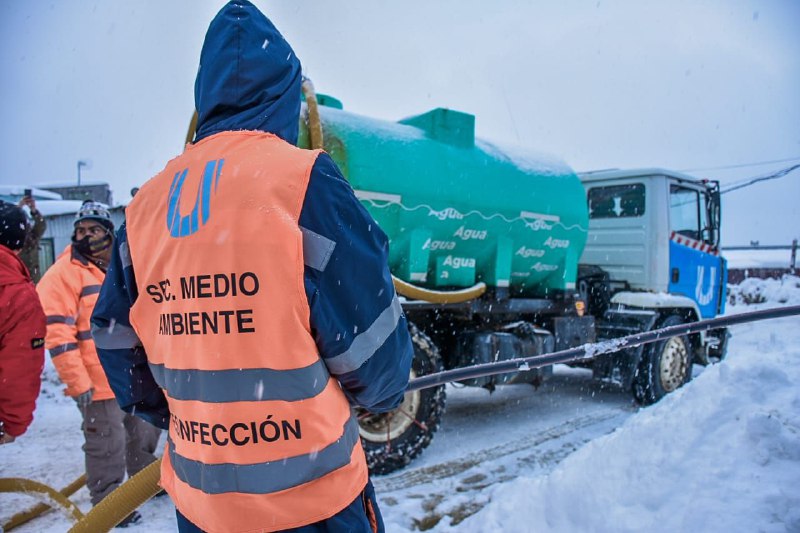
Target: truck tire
[392,440]
[666,365]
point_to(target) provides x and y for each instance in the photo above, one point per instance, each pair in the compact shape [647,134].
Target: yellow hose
[26,516]
[122,501]
[15,484]
[104,516]
[438,297]
[314,123]
[192,128]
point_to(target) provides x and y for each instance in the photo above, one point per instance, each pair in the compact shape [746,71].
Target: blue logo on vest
[183,226]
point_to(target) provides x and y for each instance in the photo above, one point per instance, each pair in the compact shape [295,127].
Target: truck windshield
[684,212]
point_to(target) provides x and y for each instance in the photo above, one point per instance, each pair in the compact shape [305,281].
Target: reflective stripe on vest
[261,436]
[242,385]
[89,290]
[263,478]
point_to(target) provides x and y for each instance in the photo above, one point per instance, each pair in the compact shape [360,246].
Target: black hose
[589,351]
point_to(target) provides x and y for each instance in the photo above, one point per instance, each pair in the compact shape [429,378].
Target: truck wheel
[665,366]
[392,440]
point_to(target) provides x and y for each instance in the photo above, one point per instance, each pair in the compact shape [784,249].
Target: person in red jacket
[22,329]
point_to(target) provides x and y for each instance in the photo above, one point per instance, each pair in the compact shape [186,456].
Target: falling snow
[721,454]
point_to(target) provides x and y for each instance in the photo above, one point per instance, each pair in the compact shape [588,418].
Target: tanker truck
[499,255]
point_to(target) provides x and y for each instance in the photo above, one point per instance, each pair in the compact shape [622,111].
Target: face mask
[91,247]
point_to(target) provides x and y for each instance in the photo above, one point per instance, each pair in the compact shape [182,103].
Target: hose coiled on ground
[28,486]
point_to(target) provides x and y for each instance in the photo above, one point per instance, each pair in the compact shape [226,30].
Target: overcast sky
[683,85]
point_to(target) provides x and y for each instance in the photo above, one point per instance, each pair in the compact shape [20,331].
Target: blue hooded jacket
[249,79]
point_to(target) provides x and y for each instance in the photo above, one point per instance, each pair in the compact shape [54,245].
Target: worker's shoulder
[263,143]
[278,145]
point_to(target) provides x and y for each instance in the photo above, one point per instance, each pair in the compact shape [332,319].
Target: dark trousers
[115,441]
[363,515]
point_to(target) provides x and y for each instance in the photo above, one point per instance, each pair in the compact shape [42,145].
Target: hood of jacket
[249,77]
[12,269]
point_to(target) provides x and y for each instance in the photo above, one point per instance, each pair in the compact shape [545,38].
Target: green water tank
[459,210]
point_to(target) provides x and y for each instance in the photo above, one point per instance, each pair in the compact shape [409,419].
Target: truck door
[696,269]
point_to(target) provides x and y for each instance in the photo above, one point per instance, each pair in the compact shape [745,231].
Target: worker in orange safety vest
[249,306]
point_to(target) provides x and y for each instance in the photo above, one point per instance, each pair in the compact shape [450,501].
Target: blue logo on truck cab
[698,273]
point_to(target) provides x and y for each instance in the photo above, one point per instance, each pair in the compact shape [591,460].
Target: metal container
[459,210]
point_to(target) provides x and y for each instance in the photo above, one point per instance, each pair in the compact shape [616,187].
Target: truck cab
[654,241]
[657,231]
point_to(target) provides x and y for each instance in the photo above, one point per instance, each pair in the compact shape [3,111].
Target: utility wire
[743,165]
[745,183]
[751,181]
[589,351]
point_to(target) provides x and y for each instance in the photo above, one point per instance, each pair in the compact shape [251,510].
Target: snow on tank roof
[615,173]
[523,157]
[526,158]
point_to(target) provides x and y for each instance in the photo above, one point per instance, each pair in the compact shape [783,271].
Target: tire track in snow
[437,472]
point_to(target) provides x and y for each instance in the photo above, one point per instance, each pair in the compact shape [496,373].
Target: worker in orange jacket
[114,440]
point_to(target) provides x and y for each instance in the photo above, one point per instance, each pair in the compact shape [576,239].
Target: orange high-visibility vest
[68,292]
[261,437]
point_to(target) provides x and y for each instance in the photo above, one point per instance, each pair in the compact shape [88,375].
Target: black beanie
[13,226]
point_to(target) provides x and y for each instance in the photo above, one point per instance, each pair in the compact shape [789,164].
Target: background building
[97,191]
[58,203]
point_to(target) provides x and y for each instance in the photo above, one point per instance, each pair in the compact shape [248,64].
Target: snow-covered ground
[722,454]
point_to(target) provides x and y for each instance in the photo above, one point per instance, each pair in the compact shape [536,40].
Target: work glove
[83,400]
